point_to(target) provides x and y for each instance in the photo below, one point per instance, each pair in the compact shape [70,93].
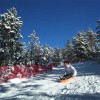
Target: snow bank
[17,80]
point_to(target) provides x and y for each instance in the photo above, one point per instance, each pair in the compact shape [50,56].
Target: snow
[17,80]
[7,27]
[86,85]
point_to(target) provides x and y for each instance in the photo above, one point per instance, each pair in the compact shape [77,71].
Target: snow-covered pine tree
[57,55]
[98,37]
[10,47]
[37,53]
[98,31]
[79,45]
[24,56]
[46,54]
[68,51]
[34,48]
[92,43]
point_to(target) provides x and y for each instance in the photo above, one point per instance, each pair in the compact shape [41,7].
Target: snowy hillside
[45,86]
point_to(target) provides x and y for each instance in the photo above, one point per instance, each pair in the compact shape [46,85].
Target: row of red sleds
[10,72]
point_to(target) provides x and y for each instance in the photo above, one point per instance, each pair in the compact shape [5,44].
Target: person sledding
[70,71]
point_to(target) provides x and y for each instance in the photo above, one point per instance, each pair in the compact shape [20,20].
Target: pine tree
[57,57]
[79,45]
[98,31]
[91,41]
[10,47]
[24,56]
[34,48]
[68,51]
[47,53]
[98,37]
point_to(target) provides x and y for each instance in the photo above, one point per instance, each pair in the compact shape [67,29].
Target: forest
[84,46]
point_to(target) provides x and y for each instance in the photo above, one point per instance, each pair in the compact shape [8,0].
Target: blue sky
[55,21]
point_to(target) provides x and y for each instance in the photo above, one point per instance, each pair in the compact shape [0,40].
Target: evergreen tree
[10,47]
[98,31]
[24,56]
[37,53]
[57,57]
[34,48]
[47,54]
[91,41]
[79,44]
[98,37]
[68,51]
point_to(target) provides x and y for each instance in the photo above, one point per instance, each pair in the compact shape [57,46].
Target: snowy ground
[45,86]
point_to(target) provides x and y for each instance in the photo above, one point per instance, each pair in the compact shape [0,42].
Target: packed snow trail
[45,86]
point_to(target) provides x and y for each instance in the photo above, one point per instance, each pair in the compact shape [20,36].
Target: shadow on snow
[45,96]
[95,96]
[87,68]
